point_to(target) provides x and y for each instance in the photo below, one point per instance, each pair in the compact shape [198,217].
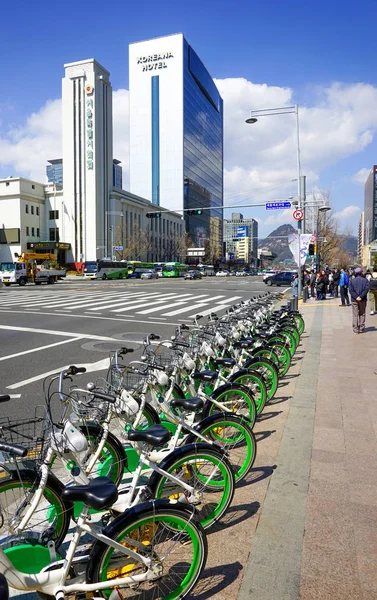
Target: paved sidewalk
[317,531]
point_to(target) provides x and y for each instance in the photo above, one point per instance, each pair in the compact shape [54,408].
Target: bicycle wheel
[112,460]
[165,532]
[235,398]
[232,434]
[52,515]
[269,372]
[207,470]
[300,323]
[255,382]
[284,357]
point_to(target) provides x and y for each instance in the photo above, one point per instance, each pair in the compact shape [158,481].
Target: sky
[319,55]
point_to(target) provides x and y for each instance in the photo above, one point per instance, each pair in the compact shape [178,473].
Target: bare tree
[135,247]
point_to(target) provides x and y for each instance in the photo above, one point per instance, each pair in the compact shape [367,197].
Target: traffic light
[311,250]
[153,215]
[194,212]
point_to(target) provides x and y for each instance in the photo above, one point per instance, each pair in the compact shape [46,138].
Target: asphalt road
[47,328]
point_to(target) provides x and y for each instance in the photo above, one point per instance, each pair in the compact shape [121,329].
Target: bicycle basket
[87,408]
[32,433]
[134,379]
[165,356]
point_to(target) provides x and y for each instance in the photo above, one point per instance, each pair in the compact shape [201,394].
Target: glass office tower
[54,171]
[176,135]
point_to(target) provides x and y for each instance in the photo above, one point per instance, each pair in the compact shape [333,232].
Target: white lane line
[227,300]
[114,303]
[185,309]
[88,336]
[127,308]
[100,365]
[159,318]
[92,299]
[32,350]
[15,396]
[159,308]
[213,309]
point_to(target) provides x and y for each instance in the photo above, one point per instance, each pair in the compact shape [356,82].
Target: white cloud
[348,214]
[361,176]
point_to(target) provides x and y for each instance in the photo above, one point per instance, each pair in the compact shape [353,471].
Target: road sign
[278,205]
[298,214]
[118,248]
[196,252]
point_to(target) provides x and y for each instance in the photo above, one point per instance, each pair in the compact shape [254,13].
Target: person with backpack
[359,291]
[343,287]
[372,296]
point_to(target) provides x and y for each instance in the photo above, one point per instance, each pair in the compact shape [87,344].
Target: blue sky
[302,46]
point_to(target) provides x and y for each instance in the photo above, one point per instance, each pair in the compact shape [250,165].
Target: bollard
[305,294]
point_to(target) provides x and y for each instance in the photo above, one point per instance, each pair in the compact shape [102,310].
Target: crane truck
[26,269]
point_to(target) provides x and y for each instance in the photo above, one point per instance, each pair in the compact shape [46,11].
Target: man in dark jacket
[358,288]
[336,282]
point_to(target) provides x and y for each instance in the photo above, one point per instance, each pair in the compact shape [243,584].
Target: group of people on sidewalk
[356,285]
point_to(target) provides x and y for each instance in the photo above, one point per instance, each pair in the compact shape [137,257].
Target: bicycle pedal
[105,520]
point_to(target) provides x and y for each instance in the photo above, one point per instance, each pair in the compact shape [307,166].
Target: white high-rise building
[176,135]
[87,159]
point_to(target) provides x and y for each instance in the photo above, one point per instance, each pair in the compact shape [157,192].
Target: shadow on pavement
[235,514]
[256,474]
[262,435]
[268,415]
[279,400]
[215,579]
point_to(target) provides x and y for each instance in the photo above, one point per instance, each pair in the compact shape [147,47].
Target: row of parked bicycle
[144,461]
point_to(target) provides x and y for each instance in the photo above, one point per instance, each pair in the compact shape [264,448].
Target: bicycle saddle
[4,590]
[242,344]
[193,404]
[224,362]
[100,493]
[155,436]
[205,375]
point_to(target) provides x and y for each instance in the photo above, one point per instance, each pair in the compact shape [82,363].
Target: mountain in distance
[277,243]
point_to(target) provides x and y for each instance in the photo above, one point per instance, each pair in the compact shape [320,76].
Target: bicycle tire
[152,525]
[234,436]
[284,357]
[244,406]
[52,511]
[255,381]
[188,463]
[268,371]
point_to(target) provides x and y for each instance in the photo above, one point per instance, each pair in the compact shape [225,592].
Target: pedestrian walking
[358,287]
[336,277]
[312,284]
[326,281]
[372,296]
[343,287]
[331,284]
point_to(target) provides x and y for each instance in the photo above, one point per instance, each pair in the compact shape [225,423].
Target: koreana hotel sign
[152,62]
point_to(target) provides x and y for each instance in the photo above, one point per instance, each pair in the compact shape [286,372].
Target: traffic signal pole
[199,208]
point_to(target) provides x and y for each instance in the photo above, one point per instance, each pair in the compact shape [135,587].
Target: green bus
[138,264]
[175,269]
[106,269]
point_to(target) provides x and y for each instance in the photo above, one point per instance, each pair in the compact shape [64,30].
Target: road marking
[185,309]
[15,396]
[88,336]
[213,309]
[142,295]
[159,318]
[32,350]
[138,305]
[99,300]
[158,308]
[100,365]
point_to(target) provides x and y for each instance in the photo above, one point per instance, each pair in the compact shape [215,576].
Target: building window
[37,210]
[7,183]
[32,209]
[54,214]
[33,186]
[32,231]
[37,231]
[27,231]
[27,209]
[54,234]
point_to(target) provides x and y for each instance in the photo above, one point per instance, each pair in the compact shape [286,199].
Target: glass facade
[54,171]
[202,154]
[370,207]
[117,175]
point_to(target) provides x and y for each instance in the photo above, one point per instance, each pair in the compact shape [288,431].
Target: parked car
[283,278]
[240,274]
[222,274]
[149,275]
[268,274]
[193,275]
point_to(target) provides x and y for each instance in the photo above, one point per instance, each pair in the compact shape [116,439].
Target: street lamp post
[111,228]
[286,110]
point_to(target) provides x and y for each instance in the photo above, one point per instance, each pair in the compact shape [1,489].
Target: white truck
[26,269]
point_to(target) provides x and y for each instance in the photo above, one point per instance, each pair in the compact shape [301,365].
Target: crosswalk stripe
[47,299]
[213,309]
[127,308]
[114,303]
[184,309]
[152,310]
[89,301]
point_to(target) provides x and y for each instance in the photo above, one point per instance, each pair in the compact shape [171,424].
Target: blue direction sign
[277,205]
